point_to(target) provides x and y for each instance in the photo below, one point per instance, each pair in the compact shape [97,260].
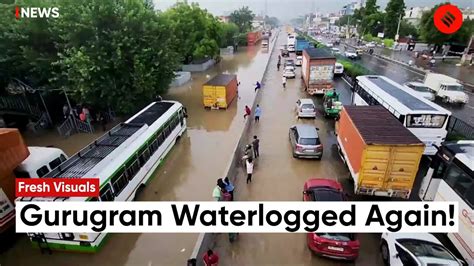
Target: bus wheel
[138,192]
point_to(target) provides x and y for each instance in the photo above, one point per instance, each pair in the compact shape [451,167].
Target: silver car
[304,140]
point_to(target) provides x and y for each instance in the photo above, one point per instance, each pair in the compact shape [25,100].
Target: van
[305,143]
[305,108]
[40,162]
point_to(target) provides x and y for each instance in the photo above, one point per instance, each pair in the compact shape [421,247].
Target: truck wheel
[445,99]
[385,253]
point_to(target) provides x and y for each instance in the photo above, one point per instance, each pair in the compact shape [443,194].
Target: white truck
[446,88]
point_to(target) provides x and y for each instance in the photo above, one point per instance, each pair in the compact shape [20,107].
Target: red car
[333,245]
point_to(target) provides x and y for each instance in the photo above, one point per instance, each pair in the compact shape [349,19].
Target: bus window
[63,158]
[54,163]
[119,182]
[106,193]
[42,171]
[153,146]
[458,180]
[144,156]
[160,139]
[132,168]
[470,196]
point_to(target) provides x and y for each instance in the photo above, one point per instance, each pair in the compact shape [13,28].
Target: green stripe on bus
[76,248]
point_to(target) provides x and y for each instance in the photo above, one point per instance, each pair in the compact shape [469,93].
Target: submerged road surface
[189,173]
[280,177]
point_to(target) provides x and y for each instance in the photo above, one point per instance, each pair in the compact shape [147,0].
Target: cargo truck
[219,92]
[317,70]
[301,44]
[448,89]
[382,155]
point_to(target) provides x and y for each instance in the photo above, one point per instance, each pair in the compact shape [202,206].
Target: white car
[417,249]
[422,90]
[289,72]
[335,50]
[328,44]
[291,47]
[299,60]
[350,54]
[370,45]
[338,69]
[305,108]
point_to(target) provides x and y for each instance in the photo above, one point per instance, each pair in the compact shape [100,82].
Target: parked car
[305,142]
[299,60]
[305,108]
[333,245]
[351,54]
[338,69]
[422,90]
[289,62]
[418,249]
[289,72]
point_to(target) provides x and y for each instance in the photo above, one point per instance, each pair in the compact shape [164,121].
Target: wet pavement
[280,177]
[189,173]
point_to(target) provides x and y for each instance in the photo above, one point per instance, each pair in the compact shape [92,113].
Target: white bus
[123,159]
[425,119]
[450,178]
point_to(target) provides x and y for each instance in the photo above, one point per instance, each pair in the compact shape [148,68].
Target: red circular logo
[448,18]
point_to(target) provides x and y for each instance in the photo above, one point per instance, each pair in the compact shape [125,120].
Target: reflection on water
[189,172]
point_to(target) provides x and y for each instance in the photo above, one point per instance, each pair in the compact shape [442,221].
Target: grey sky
[287,9]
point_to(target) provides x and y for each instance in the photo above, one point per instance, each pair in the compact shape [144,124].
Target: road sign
[448,19]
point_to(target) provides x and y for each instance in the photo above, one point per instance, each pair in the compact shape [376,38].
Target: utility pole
[398,27]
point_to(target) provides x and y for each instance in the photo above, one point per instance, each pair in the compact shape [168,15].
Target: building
[350,8]
[413,14]
[258,22]
[224,19]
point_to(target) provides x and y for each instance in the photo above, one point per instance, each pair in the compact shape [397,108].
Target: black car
[285,53]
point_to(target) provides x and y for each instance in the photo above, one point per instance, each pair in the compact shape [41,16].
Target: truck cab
[446,88]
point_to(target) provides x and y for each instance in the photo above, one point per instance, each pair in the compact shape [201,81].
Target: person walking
[249,164]
[283,81]
[258,113]
[247,111]
[258,86]
[229,187]
[210,258]
[278,65]
[256,145]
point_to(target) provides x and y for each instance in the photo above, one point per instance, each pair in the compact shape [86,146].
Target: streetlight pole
[398,27]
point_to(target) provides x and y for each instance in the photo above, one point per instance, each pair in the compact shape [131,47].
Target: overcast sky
[288,9]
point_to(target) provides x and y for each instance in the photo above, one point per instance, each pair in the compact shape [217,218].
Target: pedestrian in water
[210,258]
[247,111]
[256,145]
[249,165]
[217,192]
[229,187]
[283,81]
[258,113]
[257,86]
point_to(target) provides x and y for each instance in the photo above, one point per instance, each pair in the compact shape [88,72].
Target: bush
[353,69]
[388,42]
[368,37]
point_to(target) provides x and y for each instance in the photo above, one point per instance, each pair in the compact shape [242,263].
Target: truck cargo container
[12,152]
[301,44]
[317,70]
[382,155]
[219,91]
[253,38]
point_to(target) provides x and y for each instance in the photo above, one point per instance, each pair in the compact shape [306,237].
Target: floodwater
[189,173]
[280,177]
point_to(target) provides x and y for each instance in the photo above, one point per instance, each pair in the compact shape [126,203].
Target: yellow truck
[220,91]
[382,155]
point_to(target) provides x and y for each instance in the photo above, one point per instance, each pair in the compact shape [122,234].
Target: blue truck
[301,44]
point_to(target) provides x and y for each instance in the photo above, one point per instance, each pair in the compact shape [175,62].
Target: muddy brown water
[189,173]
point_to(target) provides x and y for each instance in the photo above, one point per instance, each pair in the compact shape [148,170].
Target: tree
[272,21]
[393,13]
[113,53]
[430,34]
[242,18]
[196,32]
[344,20]
[408,29]
[229,33]
[371,7]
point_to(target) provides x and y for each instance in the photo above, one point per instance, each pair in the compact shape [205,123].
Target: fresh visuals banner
[244,217]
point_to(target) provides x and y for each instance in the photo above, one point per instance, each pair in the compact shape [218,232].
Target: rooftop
[319,53]
[221,80]
[376,125]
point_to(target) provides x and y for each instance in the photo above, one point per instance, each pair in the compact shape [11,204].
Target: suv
[305,108]
[351,54]
[304,140]
[333,245]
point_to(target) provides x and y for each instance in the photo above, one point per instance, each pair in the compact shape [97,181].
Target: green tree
[430,34]
[408,29]
[393,13]
[373,23]
[115,53]
[242,18]
[344,20]
[371,7]
[229,34]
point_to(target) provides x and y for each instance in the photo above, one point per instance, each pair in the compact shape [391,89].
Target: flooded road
[189,173]
[280,177]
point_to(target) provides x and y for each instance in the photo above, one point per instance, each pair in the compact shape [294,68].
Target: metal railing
[18,104]
[73,125]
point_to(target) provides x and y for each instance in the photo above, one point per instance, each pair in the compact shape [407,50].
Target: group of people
[224,190]
[248,112]
[83,113]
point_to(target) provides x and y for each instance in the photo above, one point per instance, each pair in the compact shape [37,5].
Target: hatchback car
[415,249]
[299,60]
[338,69]
[333,245]
[305,142]
[305,108]
[289,62]
[289,72]
[422,90]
